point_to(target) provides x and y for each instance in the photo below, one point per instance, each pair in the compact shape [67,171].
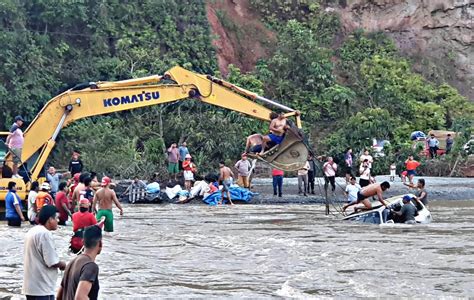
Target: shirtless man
[78,191]
[278,128]
[371,190]
[254,143]
[105,197]
[226,176]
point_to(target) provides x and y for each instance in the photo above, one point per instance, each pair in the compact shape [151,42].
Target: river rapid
[266,251]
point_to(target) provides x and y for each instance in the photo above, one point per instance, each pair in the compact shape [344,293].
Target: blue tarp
[153,188]
[236,193]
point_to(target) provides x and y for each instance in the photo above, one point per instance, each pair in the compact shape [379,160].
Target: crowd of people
[81,201]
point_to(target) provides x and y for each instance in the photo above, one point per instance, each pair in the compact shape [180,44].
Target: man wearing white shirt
[41,262]
[351,190]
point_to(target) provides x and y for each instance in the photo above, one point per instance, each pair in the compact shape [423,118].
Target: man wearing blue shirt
[13,214]
[183,151]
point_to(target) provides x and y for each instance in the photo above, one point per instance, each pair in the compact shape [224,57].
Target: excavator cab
[290,155]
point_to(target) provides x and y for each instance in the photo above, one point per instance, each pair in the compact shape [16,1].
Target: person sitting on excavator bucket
[278,127]
[254,143]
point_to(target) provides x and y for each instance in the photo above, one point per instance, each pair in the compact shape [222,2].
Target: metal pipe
[60,125]
[275,103]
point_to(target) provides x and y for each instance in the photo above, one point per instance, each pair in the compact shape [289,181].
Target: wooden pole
[326,196]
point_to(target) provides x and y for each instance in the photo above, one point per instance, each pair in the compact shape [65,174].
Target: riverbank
[439,188]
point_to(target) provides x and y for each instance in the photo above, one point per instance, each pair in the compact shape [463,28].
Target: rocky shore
[439,188]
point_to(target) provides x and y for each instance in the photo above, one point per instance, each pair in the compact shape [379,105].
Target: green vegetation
[361,90]
[349,94]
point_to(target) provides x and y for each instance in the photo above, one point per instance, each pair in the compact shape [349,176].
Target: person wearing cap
[75,164]
[13,206]
[189,168]
[15,142]
[41,262]
[43,198]
[408,211]
[81,277]
[244,168]
[105,197]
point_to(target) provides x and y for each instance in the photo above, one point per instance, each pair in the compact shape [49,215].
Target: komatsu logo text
[143,96]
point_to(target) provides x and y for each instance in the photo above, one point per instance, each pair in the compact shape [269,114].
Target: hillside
[435,35]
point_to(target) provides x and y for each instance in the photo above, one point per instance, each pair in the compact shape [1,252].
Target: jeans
[277,183]
[330,179]
[310,181]
[302,183]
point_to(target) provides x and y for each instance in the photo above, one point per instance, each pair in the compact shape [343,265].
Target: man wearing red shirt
[63,204]
[277,181]
[81,220]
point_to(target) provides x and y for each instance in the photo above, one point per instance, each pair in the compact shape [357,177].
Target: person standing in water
[105,197]
[226,176]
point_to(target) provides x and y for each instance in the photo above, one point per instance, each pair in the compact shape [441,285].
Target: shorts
[226,184]
[255,149]
[16,155]
[392,173]
[173,168]
[109,219]
[364,182]
[188,175]
[411,172]
[360,197]
[277,139]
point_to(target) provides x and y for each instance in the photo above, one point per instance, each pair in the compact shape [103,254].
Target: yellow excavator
[92,99]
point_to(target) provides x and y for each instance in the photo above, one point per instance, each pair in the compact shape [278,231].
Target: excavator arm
[107,97]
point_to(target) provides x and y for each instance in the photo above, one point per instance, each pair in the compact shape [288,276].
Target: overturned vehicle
[381,215]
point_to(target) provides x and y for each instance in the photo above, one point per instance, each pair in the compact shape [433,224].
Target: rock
[439,31]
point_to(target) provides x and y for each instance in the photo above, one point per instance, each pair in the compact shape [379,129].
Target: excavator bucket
[290,155]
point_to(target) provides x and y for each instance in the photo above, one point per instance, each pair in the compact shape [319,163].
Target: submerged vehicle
[380,215]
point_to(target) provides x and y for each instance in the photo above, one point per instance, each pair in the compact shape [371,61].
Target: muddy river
[263,251]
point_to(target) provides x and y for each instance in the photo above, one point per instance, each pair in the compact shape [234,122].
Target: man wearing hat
[408,211]
[243,167]
[15,142]
[41,262]
[105,197]
[81,278]
[43,198]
